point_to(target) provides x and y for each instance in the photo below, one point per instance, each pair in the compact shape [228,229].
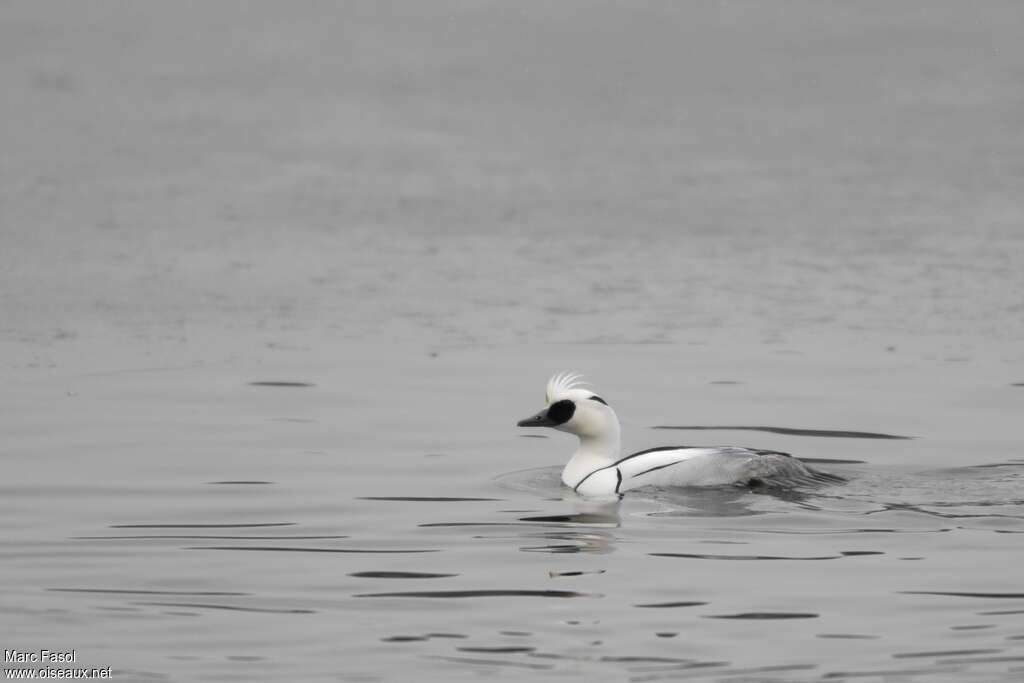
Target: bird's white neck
[594,452]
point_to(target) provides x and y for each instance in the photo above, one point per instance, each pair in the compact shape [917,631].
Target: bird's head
[570,407]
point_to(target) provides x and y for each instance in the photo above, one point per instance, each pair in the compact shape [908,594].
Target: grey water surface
[278,279]
[195,523]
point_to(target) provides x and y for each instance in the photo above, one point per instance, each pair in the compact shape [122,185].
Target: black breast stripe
[618,473]
[630,457]
[600,469]
[577,486]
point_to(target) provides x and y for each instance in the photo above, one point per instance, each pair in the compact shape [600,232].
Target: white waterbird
[598,468]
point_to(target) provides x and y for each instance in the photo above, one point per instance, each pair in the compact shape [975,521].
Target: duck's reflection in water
[726,501]
[595,515]
[586,528]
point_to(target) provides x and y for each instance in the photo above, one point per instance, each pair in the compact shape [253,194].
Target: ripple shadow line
[428,499]
[496,593]
[764,615]
[199,537]
[399,575]
[702,556]
[968,594]
[666,605]
[493,662]
[944,653]
[258,548]
[250,525]
[232,608]
[790,431]
[127,591]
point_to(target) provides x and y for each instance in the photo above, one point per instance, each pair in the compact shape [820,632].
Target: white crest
[561,384]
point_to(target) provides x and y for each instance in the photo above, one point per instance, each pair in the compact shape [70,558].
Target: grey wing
[774,468]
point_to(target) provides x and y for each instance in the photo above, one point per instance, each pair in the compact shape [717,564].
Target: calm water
[389,519]
[278,280]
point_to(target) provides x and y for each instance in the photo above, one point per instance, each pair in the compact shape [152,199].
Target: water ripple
[764,615]
[426,499]
[249,525]
[498,593]
[944,653]
[125,591]
[887,673]
[232,608]
[204,536]
[959,594]
[704,556]
[790,431]
[399,575]
[494,662]
[664,605]
[306,550]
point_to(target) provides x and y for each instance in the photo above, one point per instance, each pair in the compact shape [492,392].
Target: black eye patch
[598,399]
[561,412]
